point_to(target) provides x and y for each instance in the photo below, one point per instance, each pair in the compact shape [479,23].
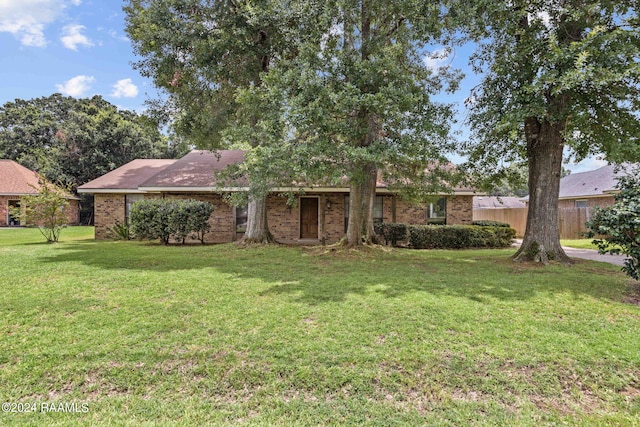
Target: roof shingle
[15,179]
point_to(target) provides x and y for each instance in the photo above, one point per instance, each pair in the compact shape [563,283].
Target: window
[378,215]
[130,199]
[378,212]
[437,213]
[241,219]
[582,204]
[13,204]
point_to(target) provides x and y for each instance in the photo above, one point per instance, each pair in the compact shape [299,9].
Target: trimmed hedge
[391,232]
[489,223]
[163,219]
[460,236]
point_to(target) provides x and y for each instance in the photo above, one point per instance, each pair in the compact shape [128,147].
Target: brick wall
[409,213]
[4,207]
[284,221]
[72,211]
[459,210]
[108,211]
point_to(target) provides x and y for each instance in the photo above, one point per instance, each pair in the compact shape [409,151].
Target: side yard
[142,334]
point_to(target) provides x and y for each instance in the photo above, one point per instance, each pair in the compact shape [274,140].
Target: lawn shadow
[311,278]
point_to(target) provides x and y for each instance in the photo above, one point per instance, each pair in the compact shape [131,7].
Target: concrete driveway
[590,254]
[593,255]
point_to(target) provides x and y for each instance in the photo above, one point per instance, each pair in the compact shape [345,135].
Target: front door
[308,218]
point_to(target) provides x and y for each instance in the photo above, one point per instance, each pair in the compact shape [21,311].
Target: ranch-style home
[320,215]
[16,181]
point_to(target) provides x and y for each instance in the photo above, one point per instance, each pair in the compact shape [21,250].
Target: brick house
[318,216]
[17,181]
[590,189]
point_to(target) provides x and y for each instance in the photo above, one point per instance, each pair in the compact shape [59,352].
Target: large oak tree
[559,77]
[207,56]
[358,101]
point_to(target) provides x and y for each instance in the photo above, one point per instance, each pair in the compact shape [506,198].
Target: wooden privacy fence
[570,220]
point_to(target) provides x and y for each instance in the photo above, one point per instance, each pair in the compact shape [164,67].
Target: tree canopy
[72,141]
[358,100]
[207,57]
[558,77]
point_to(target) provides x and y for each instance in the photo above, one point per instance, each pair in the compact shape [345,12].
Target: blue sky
[75,47]
[79,48]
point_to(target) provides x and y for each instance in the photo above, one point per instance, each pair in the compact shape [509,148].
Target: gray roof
[594,183]
[195,170]
[497,202]
[128,176]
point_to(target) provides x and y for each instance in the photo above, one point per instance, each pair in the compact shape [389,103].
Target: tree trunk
[541,241]
[354,225]
[368,201]
[257,227]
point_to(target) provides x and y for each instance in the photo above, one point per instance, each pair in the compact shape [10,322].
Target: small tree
[45,209]
[620,223]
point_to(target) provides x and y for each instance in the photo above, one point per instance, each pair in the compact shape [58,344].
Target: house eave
[110,191]
[590,196]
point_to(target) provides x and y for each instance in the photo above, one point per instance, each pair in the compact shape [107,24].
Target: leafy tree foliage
[558,75]
[45,209]
[206,56]
[358,98]
[620,223]
[73,141]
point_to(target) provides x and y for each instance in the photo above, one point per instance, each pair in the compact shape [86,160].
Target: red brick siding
[459,210]
[408,213]
[72,210]
[108,211]
[284,221]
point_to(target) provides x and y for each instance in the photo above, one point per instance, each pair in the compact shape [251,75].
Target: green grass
[216,335]
[579,243]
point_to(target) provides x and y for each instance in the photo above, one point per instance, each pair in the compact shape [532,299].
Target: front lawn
[142,334]
[579,243]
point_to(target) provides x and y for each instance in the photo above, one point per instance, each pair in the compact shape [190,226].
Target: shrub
[490,223]
[391,232]
[459,236]
[163,219]
[190,216]
[618,225]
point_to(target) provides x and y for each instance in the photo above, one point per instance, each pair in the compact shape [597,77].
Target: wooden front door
[308,218]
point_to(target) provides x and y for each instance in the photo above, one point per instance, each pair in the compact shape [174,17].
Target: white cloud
[72,37]
[437,59]
[124,88]
[76,86]
[27,19]
[117,36]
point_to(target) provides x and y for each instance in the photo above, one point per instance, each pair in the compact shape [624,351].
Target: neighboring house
[590,189]
[320,213]
[497,202]
[17,181]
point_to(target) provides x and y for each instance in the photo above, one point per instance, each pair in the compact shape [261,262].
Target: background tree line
[71,141]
